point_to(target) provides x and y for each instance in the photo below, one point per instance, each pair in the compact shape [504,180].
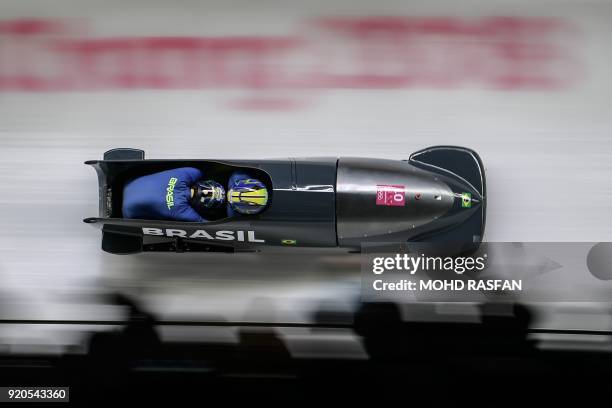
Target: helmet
[207,195]
[248,196]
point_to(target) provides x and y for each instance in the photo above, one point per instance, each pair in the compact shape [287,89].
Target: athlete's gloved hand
[162,196]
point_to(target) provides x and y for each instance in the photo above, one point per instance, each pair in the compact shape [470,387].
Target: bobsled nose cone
[464,195]
[468,201]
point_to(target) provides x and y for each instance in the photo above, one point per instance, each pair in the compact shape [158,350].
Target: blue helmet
[248,196]
[207,195]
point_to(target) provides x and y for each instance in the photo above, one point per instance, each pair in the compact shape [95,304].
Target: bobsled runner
[437,195]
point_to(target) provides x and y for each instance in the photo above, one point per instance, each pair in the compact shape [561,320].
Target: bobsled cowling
[436,195]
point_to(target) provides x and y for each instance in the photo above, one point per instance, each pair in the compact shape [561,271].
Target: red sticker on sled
[390,195]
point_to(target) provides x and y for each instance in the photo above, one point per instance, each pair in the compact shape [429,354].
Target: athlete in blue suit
[182,195]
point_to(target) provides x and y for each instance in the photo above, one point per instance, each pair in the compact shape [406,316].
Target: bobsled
[438,195]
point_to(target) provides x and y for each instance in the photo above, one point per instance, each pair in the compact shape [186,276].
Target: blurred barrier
[361,53]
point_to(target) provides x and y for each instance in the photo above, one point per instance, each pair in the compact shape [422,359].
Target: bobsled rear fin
[124,153]
[461,161]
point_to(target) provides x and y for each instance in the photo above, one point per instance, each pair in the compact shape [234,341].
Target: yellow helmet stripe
[259,196]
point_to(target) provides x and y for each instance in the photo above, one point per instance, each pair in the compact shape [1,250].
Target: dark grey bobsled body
[437,195]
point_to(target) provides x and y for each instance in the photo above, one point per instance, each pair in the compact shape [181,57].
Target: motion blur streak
[526,84]
[370,52]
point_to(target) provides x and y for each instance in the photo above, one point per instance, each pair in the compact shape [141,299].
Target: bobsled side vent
[460,161]
[124,153]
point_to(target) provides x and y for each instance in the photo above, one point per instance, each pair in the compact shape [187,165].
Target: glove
[162,196]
